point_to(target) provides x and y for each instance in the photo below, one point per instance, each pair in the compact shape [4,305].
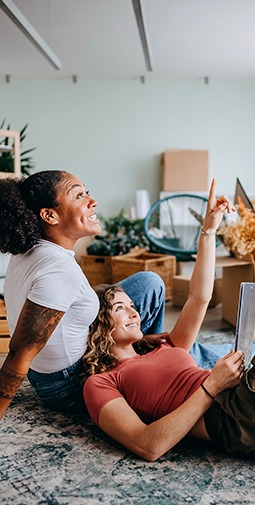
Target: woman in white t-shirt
[50,303]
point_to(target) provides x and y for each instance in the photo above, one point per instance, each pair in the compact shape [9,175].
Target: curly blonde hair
[98,357]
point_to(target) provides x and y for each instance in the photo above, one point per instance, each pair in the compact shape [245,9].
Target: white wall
[111,133]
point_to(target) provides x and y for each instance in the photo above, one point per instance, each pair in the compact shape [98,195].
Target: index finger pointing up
[212,195]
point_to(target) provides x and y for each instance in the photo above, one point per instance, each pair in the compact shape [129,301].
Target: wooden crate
[98,269]
[162,264]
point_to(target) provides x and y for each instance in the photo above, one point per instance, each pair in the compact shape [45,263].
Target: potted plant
[119,236]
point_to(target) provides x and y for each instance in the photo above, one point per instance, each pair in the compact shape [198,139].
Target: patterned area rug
[50,459]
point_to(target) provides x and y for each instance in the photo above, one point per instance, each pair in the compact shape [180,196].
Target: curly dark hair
[20,204]
[98,357]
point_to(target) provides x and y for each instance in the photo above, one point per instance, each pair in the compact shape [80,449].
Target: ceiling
[99,39]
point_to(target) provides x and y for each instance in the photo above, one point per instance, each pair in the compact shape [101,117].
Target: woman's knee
[145,285]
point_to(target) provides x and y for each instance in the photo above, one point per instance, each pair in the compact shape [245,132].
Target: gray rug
[50,459]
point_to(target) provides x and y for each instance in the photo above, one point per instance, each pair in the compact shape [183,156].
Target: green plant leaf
[27,151]
[26,159]
[25,171]
[22,133]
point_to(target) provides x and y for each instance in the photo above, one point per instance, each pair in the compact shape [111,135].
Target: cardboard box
[181,291]
[184,170]
[234,271]
[226,289]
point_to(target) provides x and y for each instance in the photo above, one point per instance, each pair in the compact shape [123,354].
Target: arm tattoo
[37,325]
[9,383]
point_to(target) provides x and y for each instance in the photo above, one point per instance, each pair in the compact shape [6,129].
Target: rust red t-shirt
[153,384]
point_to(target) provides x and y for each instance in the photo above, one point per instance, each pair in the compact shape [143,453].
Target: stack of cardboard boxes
[181,291]
[187,171]
[231,272]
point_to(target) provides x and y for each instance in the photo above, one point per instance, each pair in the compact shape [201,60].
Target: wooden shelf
[16,152]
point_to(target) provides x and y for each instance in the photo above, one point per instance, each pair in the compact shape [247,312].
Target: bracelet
[206,232]
[207,392]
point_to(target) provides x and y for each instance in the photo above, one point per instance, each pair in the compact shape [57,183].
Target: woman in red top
[149,403]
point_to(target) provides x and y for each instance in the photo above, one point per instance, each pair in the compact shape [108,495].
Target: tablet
[245,326]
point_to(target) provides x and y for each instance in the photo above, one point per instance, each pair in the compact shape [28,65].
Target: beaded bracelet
[206,232]
[207,392]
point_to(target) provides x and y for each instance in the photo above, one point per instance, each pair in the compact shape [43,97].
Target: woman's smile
[132,325]
[93,217]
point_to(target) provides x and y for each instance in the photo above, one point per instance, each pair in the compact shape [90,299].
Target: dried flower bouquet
[239,236]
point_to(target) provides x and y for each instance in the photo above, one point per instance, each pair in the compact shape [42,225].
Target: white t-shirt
[49,275]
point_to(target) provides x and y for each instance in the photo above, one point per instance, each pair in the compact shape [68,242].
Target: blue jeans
[61,390]
[205,355]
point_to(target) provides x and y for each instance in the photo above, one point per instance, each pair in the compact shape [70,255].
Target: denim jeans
[61,390]
[205,355]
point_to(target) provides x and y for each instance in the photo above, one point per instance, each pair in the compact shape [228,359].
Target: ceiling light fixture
[25,26]
[140,19]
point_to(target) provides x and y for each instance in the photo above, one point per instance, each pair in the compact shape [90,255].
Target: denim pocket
[64,395]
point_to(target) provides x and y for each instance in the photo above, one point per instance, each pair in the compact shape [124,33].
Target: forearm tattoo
[33,330]
[37,325]
[9,383]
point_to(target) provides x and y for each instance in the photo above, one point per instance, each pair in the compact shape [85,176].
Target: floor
[212,321]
